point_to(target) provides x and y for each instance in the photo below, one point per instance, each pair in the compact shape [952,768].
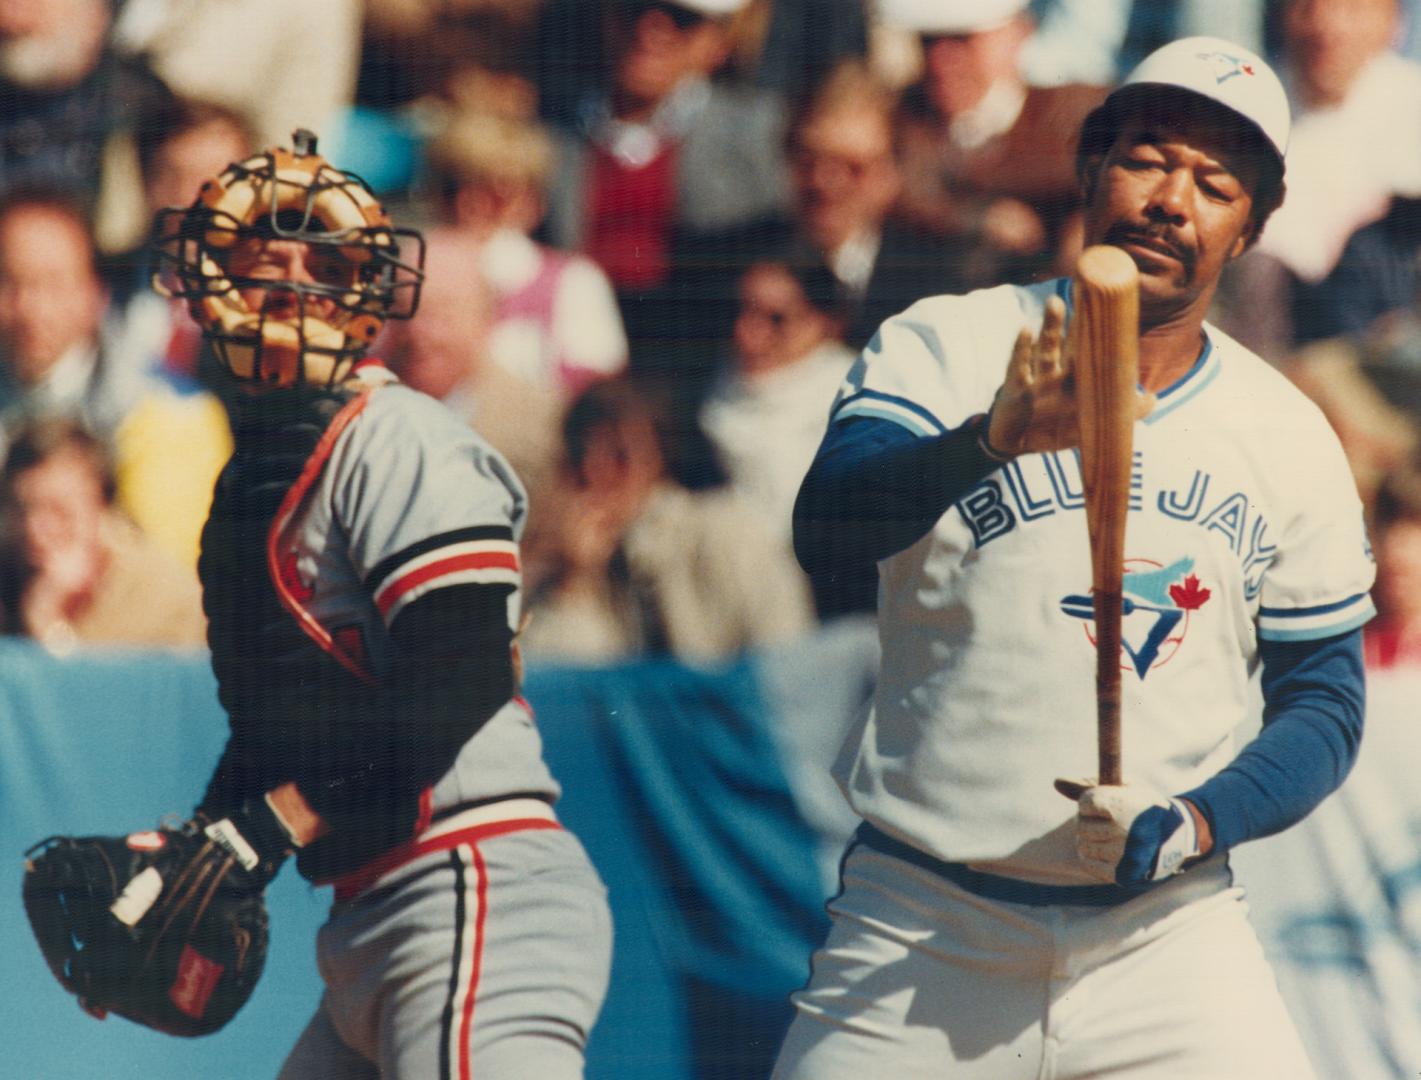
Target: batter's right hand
[1035,409]
[1130,834]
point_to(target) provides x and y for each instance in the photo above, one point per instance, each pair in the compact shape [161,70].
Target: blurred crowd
[658,233]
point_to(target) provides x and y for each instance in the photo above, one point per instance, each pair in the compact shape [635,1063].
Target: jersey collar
[370,372]
[1185,388]
[1189,385]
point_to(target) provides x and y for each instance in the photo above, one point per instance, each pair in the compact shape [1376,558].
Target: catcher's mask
[273,330]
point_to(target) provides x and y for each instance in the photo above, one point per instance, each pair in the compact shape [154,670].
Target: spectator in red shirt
[667,153]
[1393,638]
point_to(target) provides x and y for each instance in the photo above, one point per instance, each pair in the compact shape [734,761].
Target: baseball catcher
[361,579]
[168,927]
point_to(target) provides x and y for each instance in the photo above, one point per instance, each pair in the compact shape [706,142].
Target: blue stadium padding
[671,777]
[689,799]
[642,1032]
[105,744]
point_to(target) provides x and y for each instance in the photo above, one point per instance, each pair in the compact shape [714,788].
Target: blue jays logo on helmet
[1158,601]
[1226,66]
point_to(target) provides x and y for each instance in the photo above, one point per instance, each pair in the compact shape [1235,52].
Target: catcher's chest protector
[276,683]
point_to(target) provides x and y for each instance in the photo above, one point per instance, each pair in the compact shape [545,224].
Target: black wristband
[255,837]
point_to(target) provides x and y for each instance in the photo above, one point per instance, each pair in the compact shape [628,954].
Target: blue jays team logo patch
[1158,603]
[1225,65]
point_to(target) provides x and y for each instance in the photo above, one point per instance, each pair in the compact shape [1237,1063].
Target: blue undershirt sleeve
[876,488]
[1314,696]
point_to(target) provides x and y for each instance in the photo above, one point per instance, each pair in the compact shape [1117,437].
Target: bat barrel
[1105,337]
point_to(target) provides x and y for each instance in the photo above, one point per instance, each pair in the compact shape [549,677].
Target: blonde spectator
[555,320]
[169,442]
[75,571]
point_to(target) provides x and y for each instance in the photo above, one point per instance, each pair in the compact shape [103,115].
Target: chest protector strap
[280,543]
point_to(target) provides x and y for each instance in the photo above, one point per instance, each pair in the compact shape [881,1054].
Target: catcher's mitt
[167,928]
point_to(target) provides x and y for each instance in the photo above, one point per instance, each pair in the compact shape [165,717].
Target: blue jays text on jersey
[1034,487]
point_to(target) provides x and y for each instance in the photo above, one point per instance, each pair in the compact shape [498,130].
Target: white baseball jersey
[1244,524]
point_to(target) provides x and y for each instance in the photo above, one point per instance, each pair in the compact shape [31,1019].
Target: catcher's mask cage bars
[190,255]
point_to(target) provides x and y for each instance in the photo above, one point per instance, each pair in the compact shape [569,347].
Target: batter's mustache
[1157,233]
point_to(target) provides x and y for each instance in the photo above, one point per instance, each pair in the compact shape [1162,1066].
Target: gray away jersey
[409,500]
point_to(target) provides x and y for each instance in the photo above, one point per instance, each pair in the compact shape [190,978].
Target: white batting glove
[1131,834]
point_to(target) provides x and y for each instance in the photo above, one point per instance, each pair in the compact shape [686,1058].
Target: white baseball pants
[920,979]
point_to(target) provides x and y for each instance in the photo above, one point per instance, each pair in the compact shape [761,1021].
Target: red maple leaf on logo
[1247,70]
[1189,596]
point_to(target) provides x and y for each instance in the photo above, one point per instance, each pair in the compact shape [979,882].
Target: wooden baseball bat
[1105,332]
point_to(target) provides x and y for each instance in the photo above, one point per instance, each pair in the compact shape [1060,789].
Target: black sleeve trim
[389,565]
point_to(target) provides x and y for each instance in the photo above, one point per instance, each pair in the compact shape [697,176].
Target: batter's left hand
[1035,409]
[1130,834]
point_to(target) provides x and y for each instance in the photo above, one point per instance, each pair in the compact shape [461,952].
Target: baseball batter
[360,570]
[987,926]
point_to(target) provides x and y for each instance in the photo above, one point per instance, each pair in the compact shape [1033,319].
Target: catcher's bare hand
[1035,409]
